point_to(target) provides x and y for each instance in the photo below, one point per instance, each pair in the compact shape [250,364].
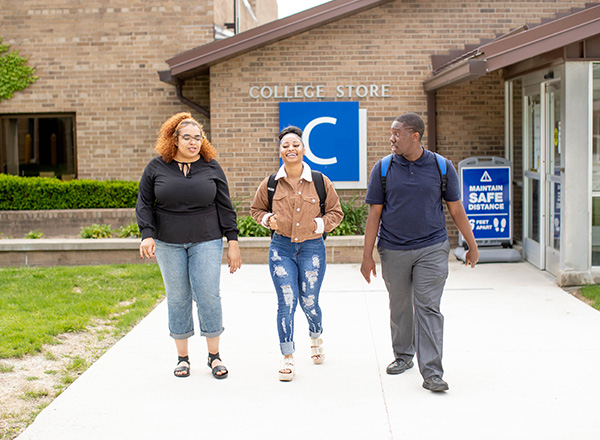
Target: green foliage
[355,218]
[37,304]
[39,193]
[34,394]
[592,292]
[6,368]
[77,365]
[34,235]
[249,228]
[129,231]
[96,231]
[14,74]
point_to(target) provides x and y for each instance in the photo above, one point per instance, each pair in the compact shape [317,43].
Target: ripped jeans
[297,270]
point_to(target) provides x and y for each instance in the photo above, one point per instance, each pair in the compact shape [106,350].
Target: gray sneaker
[435,383]
[398,366]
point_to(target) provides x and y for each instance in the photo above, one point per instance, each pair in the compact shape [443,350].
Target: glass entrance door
[532,178]
[542,175]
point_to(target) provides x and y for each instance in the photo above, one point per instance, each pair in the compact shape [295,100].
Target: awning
[581,27]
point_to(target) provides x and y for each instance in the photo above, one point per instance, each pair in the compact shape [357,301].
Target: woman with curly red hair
[183,211]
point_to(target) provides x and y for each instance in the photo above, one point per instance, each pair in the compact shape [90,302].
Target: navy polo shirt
[413,214]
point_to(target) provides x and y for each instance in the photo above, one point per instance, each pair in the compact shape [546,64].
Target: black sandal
[218,368]
[183,365]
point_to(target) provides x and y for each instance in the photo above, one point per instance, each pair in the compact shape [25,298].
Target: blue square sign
[333,134]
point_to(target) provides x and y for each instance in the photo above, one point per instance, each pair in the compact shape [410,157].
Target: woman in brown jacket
[297,252]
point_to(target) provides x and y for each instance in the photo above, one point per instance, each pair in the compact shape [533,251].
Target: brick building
[98,103]
[490,78]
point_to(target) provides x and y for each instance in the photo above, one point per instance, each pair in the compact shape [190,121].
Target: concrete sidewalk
[521,357]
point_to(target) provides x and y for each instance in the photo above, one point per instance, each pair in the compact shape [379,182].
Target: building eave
[516,47]
[198,60]
[464,70]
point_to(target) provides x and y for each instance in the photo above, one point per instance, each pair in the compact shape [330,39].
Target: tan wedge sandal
[287,370]
[316,351]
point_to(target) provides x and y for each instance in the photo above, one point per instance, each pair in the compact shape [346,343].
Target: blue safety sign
[334,141]
[486,197]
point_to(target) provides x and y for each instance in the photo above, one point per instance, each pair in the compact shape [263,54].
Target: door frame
[542,254]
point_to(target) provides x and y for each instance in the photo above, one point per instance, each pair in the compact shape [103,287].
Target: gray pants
[415,281]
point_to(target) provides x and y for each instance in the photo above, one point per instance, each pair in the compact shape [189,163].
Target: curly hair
[169,131]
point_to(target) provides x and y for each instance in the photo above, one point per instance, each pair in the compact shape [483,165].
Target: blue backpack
[441,164]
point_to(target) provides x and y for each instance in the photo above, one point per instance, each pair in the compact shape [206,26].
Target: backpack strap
[271,187]
[385,165]
[320,187]
[317,178]
[441,163]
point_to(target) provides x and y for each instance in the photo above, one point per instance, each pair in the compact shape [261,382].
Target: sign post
[486,194]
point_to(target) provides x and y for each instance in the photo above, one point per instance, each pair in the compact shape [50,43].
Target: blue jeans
[192,272]
[297,270]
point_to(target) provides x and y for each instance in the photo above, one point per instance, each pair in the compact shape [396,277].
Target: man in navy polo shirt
[408,217]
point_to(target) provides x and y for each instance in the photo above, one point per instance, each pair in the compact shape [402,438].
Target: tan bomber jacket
[298,211]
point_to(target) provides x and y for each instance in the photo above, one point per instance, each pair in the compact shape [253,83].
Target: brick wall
[58,252]
[63,223]
[100,60]
[471,123]
[391,44]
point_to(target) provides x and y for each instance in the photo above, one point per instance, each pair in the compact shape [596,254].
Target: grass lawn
[37,304]
[592,293]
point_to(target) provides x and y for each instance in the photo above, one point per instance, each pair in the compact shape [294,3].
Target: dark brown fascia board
[515,48]
[544,38]
[191,63]
[465,70]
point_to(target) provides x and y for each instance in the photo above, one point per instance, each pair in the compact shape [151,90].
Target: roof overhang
[464,70]
[517,47]
[197,61]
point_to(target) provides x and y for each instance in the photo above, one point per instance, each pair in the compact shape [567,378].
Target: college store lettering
[318,91]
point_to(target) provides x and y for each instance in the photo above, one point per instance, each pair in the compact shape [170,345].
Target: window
[38,145]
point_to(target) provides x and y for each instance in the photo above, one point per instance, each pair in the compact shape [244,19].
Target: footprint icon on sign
[503,225]
[496,224]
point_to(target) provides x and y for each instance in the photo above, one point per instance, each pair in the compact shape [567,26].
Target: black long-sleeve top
[185,209]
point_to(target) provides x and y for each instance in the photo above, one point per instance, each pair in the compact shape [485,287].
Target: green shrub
[96,231]
[355,218]
[249,228]
[34,234]
[39,193]
[129,231]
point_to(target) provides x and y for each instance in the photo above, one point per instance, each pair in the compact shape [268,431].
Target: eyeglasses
[188,138]
[397,134]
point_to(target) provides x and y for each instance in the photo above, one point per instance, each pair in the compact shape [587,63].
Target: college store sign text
[320,91]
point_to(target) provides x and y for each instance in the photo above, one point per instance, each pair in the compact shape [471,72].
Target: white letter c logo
[306,135]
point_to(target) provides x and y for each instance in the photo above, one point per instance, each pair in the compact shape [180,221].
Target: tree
[14,74]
